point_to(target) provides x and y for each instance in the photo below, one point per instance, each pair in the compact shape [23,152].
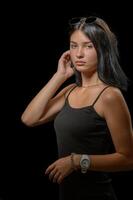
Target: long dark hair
[105,43]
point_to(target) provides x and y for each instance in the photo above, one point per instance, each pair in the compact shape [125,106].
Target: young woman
[92,120]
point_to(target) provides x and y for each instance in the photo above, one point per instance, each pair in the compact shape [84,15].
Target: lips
[80,62]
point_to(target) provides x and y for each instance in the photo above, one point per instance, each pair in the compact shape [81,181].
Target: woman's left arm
[118,119]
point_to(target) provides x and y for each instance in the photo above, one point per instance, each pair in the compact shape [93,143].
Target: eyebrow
[82,42]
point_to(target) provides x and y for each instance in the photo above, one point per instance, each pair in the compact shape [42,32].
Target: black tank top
[81,130]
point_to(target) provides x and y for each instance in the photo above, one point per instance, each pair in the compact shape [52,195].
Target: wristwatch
[84,163]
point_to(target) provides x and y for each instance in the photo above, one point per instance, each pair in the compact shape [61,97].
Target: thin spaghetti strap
[99,95]
[70,91]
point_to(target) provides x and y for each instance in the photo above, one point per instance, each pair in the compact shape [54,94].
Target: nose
[80,53]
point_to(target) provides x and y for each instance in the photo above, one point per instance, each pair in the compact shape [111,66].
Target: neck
[90,79]
[91,85]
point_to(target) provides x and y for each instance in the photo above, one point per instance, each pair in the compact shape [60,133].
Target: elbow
[130,162]
[126,162]
[26,121]
[130,165]
[131,159]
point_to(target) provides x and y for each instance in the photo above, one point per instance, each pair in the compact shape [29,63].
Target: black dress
[83,131]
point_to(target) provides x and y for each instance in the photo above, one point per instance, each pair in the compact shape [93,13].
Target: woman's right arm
[44,106]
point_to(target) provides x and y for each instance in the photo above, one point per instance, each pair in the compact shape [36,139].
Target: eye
[89,46]
[73,46]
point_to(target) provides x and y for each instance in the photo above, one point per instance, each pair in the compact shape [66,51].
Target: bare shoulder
[112,95]
[69,87]
[114,102]
[65,90]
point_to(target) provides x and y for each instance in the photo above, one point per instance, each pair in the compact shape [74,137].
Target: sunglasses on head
[78,20]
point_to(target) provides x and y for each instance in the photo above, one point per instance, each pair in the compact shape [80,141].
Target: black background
[34,37]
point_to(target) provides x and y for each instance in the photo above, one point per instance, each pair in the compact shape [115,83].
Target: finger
[56,176]
[48,170]
[52,173]
[66,54]
[60,178]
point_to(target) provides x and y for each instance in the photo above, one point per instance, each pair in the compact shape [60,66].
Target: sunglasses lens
[90,20]
[87,20]
[74,20]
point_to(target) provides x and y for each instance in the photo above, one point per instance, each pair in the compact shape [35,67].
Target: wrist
[75,161]
[77,158]
[60,76]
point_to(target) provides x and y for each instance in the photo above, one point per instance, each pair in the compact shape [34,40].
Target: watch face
[85,163]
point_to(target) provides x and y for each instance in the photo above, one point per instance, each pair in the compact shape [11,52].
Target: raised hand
[65,65]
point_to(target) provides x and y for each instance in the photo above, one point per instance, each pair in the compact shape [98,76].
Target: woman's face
[82,52]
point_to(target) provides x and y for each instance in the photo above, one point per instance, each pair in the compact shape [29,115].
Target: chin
[85,68]
[82,69]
